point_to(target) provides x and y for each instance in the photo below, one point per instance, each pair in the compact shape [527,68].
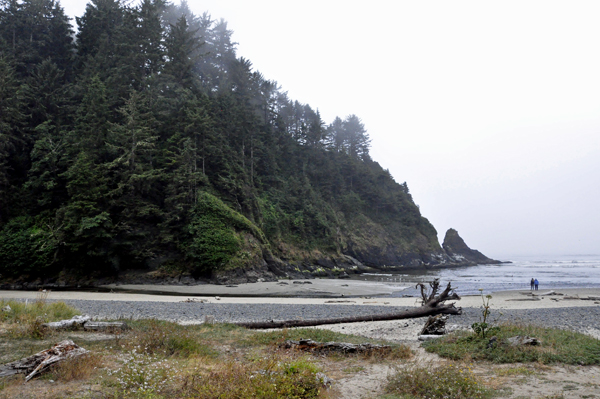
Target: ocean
[552,272]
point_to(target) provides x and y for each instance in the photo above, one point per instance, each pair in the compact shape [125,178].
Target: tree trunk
[433,304]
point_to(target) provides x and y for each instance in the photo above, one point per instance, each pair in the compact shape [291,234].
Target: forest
[136,138]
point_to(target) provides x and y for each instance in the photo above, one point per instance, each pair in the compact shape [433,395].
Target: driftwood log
[432,304]
[74,322]
[86,323]
[38,363]
[309,345]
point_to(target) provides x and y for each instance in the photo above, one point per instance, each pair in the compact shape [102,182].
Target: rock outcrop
[460,253]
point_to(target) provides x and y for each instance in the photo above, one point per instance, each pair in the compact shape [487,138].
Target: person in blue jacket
[536,283]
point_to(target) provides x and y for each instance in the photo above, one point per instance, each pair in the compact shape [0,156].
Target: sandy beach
[566,308]
[319,291]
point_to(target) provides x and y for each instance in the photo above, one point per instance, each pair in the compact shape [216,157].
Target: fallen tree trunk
[432,304]
[38,363]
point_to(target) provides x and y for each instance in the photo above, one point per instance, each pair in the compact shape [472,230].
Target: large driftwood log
[38,363]
[309,345]
[433,304]
[74,322]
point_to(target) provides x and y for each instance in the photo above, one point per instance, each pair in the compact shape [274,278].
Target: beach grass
[25,319]
[556,346]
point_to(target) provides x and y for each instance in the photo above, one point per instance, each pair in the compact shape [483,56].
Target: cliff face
[456,248]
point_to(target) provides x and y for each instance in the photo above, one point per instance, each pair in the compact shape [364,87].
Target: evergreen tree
[11,135]
[183,49]
[36,30]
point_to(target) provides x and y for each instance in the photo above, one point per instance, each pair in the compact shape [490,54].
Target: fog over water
[488,110]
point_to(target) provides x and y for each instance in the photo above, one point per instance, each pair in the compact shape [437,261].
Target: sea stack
[458,250]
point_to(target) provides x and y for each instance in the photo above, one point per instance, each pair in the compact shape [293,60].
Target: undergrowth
[448,381]
[557,346]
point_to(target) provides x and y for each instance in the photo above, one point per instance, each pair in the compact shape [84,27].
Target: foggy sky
[490,111]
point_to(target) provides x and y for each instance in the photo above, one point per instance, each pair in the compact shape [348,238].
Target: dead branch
[38,363]
[433,305]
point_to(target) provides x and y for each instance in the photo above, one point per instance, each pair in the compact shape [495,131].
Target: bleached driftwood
[74,322]
[38,363]
[86,323]
[432,304]
[326,347]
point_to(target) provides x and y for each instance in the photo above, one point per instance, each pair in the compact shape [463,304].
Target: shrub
[267,378]
[79,368]
[25,249]
[447,381]
[169,339]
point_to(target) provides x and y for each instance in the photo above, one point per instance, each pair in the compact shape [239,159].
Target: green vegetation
[158,359]
[483,328]
[25,319]
[147,142]
[557,346]
[449,381]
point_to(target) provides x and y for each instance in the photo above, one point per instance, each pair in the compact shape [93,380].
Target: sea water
[552,272]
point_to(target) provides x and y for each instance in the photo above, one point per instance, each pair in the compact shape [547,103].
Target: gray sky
[490,111]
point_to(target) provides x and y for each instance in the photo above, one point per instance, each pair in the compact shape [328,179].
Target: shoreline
[321,291]
[512,306]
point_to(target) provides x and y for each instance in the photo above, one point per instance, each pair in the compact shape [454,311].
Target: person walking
[536,283]
[532,283]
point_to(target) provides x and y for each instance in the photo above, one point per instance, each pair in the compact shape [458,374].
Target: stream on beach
[552,272]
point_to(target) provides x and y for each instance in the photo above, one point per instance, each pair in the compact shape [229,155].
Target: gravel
[574,318]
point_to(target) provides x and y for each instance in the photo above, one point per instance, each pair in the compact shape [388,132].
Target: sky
[490,111]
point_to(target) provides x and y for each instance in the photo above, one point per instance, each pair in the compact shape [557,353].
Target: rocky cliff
[456,248]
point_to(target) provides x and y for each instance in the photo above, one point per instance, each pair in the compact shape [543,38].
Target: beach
[335,298]
[326,298]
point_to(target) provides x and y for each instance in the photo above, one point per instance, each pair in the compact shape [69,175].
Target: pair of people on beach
[534,283]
